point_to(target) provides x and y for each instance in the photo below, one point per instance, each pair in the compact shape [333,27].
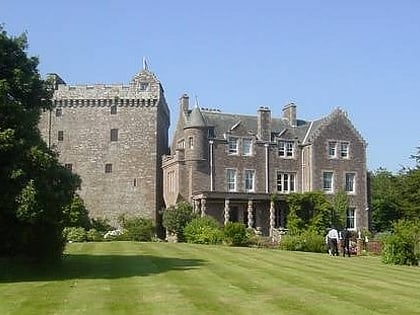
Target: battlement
[133,102]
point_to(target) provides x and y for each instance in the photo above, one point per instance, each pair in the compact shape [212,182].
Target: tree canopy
[35,187]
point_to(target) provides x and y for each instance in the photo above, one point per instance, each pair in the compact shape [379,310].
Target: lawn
[162,278]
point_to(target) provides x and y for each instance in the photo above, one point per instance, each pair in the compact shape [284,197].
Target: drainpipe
[211,165]
[266,145]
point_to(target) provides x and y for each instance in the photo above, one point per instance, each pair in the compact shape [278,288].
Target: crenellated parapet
[101,102]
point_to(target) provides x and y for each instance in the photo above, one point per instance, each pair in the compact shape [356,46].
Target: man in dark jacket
[345,242]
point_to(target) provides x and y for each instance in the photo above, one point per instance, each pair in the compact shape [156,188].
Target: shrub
[308,241]
[176,218]
[234,234]
[402,246]
[74,234]
[137,229]
[94,236]
[203,230]
[101,224]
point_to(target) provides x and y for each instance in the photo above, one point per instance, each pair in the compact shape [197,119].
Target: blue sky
[362,56]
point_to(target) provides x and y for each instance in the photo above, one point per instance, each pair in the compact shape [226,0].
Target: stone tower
[113,136]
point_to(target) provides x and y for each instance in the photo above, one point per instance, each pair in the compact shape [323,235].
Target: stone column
[250,216]
[272,217]
[196,206]
[203,207]
[226,211]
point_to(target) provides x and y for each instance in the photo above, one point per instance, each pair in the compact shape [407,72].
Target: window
[249,180]
[108,168]
[233,145]
[285,182]
[350,182]
[327,181]
[114,134]
[332,149]
[247,146]
[69,166]
[60,135]
[344,150]
[231,179]
[58,112]
[351,218]
[113,109]
[286,148]
[135,182]
[143,86]
[180,144]
[191,142]
[211,132]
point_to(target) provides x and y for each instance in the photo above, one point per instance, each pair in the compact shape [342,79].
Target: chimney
[264,124]
[289,112]
[184,101]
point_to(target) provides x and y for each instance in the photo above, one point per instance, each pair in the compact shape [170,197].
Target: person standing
[345,242]
[333,241]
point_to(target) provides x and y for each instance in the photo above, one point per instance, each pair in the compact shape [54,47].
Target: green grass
[162,278]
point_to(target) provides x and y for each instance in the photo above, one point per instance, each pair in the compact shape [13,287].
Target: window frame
[233,150]
[249,152]
[114,135]
[344,153]
[329,189]
[246,180]
[332,149]
[351,218]
[351,180]
[231,180]
[285,182]
[286,149]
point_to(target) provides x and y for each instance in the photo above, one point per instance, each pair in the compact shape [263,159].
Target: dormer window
[247,146]
[286,148]
[344,150]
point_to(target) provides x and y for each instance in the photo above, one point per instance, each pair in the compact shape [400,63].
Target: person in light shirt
[333,241]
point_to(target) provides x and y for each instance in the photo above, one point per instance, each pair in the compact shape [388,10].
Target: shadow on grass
[95,267]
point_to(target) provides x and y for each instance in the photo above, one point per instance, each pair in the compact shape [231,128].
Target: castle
[113,136]
[227,165]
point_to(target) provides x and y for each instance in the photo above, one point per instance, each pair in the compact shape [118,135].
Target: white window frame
[231,179]
[350,182]
[286,182]
[249,176]
[286,149]
[351,218]
[248,141]
[233,145]
[190,142]
[330,187]
[332,149]
[344,149]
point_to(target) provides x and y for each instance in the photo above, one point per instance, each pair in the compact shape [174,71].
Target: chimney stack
[289,112]
[184,103]
[264,123]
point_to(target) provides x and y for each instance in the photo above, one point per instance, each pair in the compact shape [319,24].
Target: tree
[35,187]
[76,214]
[385,200]
[340,204]
[309,210]
[176,218]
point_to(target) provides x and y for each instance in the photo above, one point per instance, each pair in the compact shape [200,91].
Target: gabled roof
[320,124]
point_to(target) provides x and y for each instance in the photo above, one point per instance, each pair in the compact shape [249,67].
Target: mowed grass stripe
[156,278]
